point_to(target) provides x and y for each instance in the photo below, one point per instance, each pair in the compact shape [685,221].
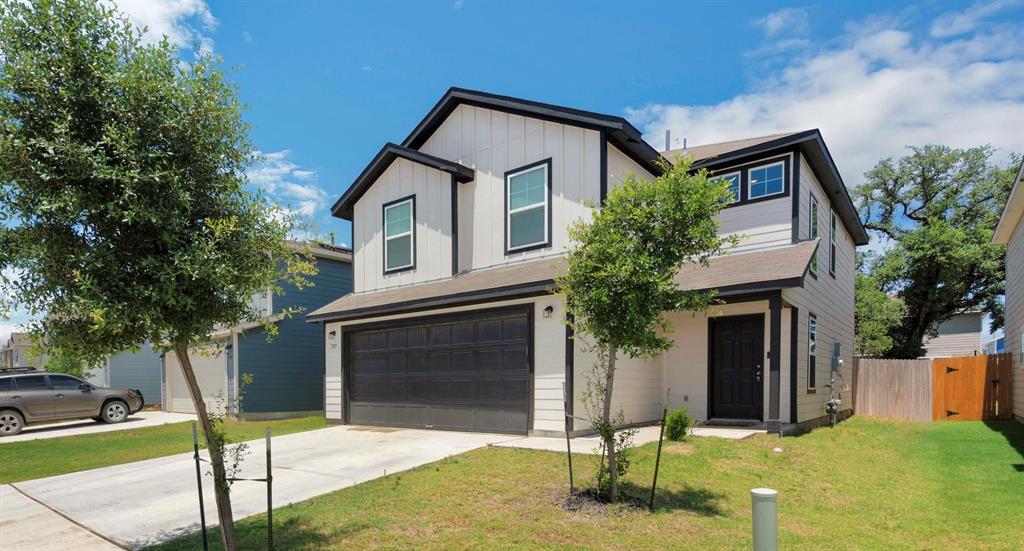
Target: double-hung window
[832,243]
[734,184]
[765,181]
[400,235]
[527,198]
[812,350]
[814,232]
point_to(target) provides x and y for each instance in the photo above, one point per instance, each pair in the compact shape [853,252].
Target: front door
[737,362]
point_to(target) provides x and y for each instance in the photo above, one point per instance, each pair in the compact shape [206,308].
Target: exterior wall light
[332,335]
[548,311]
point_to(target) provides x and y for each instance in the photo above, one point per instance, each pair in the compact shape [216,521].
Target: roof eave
[1012,212]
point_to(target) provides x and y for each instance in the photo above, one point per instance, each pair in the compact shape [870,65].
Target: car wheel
[11,422]
[114,411]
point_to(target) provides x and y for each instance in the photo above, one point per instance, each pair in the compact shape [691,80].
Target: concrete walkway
[150,501]
[88,426]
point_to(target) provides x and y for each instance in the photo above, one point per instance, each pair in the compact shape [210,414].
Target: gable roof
[343,206]
[1012,212]
[617,130]
[809,143]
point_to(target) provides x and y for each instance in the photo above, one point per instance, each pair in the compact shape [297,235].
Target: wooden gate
[972,387]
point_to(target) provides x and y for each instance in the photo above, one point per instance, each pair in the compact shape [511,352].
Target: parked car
[28,396]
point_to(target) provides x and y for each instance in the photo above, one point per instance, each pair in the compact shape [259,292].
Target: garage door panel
[470,373]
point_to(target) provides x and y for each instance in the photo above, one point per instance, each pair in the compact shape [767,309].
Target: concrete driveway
[88,426]
[146,502]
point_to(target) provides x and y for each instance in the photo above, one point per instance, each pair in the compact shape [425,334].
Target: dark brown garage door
[465,372]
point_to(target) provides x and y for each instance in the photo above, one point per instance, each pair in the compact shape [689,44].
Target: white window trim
[411,233]
[812,319]
[750,182]
[814,227]
[510,211]
[833,250]
[739,184]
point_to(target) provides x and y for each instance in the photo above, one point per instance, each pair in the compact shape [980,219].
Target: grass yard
[869,484]
[40,458]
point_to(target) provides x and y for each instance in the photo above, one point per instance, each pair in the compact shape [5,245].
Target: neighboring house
[957,336]
[1010,232]
[17,352]
[996,346]
[140,370]
[459,232]
[287,372]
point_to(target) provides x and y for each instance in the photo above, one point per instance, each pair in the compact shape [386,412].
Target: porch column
[774,361]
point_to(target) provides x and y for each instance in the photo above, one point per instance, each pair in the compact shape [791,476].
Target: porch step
[719,422]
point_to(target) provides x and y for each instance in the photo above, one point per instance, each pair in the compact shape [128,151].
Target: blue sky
[328,83]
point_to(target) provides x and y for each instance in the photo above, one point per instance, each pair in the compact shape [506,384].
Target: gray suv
[28,396]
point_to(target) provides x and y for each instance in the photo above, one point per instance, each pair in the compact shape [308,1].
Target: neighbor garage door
[210,368]
[465,372]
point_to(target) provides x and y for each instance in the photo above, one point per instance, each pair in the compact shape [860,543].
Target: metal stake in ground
[568,429]
[270,499]
[657,458]
[199,483]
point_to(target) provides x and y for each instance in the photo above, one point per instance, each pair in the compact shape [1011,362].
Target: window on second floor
[734,184]
[832,243]
[764,181]
[812,351]
[400,235]
[527,198]
[814,231]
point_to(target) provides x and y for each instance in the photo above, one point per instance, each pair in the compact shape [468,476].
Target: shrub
[677,424]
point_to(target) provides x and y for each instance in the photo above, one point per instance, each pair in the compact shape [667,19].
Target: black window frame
[812,356]
[813,230]
[384,235]
[832,237]
[744,170]
[550,184]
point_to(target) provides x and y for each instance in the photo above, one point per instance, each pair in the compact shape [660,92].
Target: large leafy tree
[622,268]
[876,313]
[938,208]
[125,216]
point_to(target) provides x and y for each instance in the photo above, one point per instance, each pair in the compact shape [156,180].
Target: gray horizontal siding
[288,371]
[139,370]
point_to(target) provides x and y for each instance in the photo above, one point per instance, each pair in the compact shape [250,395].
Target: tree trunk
[220,482]
[609,443]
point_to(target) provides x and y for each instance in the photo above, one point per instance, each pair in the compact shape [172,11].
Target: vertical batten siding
[288,371]
[433,221]
[1014,323]
[620,166]
[492,143]
[957,336]
[332,373]
[830,299]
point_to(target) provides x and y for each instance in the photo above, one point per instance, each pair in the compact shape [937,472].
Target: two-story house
[459,232]
[17,352]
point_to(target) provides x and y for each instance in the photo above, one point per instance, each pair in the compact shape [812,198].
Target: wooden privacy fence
[959,388]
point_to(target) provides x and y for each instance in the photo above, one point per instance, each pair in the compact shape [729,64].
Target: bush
[677,424]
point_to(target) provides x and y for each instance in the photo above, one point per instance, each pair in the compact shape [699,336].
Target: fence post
[765,519]
[199,483]
[270,498]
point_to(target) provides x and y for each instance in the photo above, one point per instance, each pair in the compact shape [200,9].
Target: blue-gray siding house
[132,369]
[287,371]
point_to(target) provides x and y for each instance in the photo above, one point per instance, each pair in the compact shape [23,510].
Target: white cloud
[184,22]
[247,36]
[881,89]
[784,21]
[955,23]
[457,5]
[287,184]
[366,69]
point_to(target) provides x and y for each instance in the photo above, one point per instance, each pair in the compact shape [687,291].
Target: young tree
[939,206]
[122,194]
[622,266]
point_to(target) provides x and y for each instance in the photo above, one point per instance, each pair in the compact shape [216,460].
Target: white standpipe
[766,531]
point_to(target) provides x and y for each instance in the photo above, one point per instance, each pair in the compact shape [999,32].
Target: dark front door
[458,372]
[737,367]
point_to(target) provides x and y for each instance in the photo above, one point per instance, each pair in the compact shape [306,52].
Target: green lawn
[38,458]
[868,484]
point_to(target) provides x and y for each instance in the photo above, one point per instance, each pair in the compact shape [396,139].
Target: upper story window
[734,184]
[832,243]
[764,181]
[812,351]
[527,203]
[814,231]
[400,235]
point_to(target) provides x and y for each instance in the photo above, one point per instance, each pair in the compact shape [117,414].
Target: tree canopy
[937,207]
